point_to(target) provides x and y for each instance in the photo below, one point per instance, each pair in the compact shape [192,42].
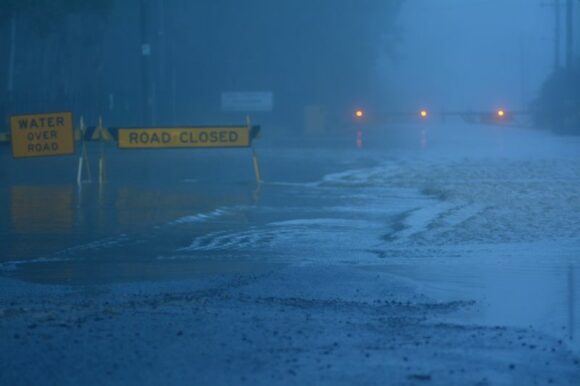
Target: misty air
[271,192]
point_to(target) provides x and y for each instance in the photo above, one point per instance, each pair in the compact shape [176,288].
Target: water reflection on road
[69,233]
[511,288]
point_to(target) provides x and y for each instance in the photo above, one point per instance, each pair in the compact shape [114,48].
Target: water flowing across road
[491,219]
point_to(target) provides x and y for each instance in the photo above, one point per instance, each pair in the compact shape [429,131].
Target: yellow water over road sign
[185,137]
[42,135]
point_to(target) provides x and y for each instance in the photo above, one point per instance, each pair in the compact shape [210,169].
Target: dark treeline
[558,107]
[86,56]
[53,55]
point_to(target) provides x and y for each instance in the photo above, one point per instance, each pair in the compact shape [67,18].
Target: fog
[169,62]
[328,192]
[478,55]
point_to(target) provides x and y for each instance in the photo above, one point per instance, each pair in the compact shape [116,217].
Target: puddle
[544,297]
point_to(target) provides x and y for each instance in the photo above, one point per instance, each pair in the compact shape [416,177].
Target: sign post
[255,157]
[83,158]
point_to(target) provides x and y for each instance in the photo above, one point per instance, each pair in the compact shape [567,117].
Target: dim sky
[471,54]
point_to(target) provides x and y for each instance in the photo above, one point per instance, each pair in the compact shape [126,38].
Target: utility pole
[571,303]
[523,73]
[160,80]
[11,58]
[569,33]
[146,97]
[557,33]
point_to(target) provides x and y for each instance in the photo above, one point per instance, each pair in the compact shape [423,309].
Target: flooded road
[174,211]
[490,232]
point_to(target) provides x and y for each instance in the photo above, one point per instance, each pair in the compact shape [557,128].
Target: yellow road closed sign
[185,137]
[42,135]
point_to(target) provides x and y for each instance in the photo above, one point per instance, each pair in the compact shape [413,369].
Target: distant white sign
[247,102]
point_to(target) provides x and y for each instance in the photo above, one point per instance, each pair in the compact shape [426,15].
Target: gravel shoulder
[333,325]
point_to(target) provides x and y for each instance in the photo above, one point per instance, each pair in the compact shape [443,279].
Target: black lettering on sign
[144,138]
[179,137]
[37,123]
[41,135]
[154,138]
[42,147]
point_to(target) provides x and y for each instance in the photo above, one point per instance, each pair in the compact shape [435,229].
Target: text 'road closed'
[41,135]
[160,138]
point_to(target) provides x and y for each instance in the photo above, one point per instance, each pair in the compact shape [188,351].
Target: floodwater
[491,217]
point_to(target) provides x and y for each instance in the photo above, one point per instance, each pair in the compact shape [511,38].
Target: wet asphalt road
[346,266]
